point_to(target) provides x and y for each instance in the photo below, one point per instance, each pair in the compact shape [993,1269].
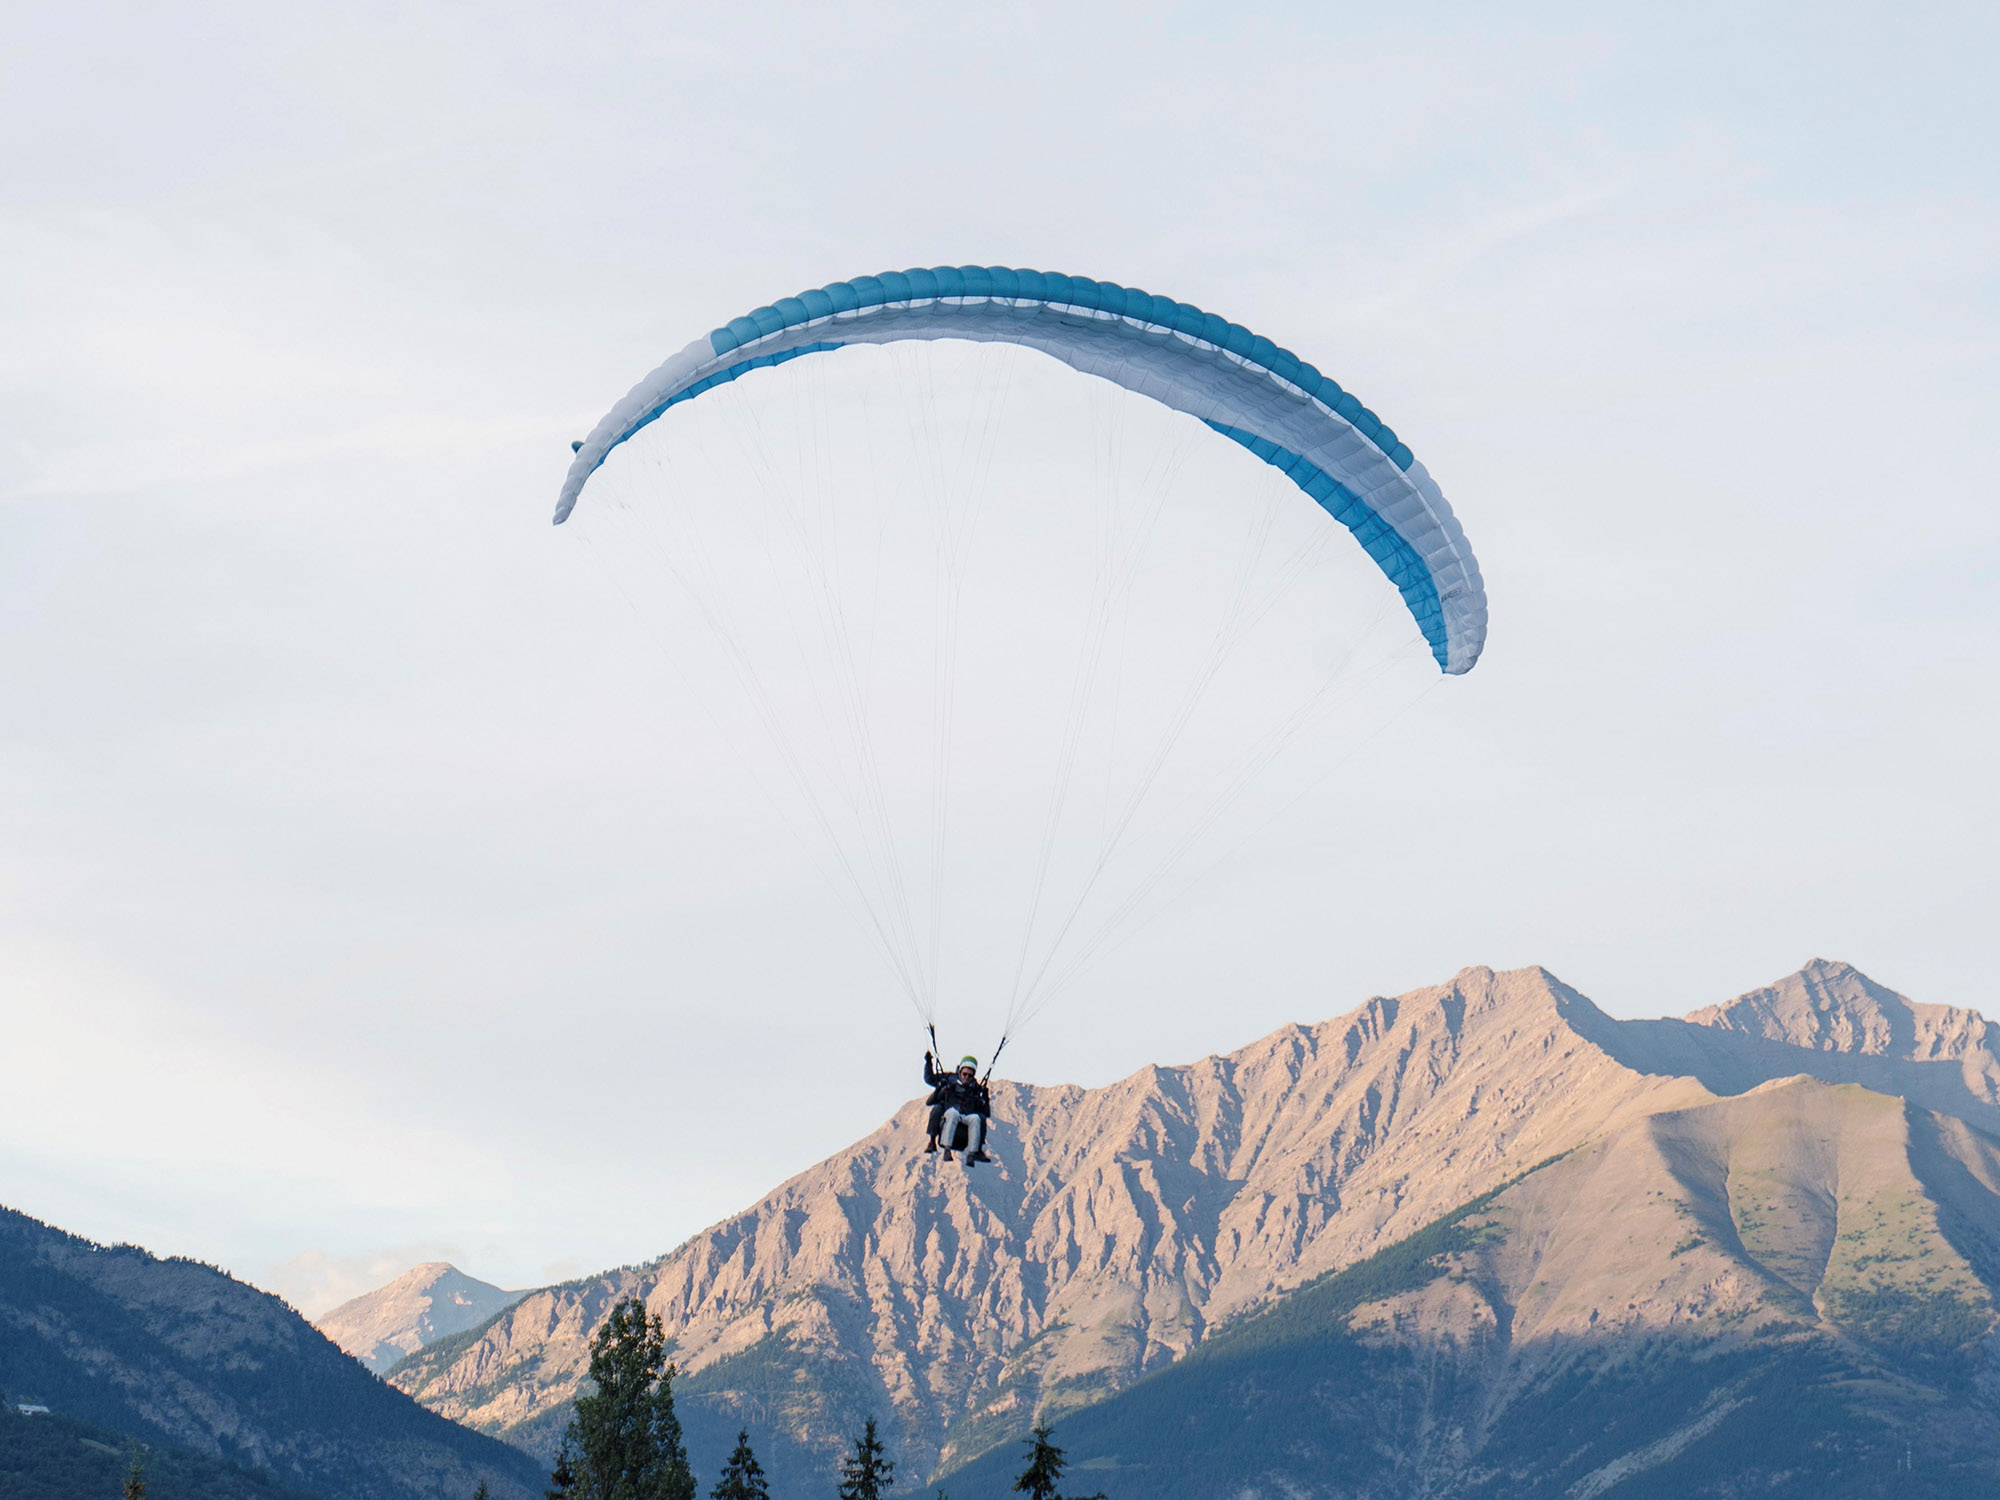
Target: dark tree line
[625,1441]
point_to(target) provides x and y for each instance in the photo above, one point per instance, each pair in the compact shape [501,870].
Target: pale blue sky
[349,882]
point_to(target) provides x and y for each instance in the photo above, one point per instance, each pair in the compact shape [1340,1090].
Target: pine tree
[480,1493]
[743,1477]
[625,1443]
[1045,1465]
[135,1479]
[562,1481]
[866,1473]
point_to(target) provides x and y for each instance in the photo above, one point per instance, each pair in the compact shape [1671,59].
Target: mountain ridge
[1126,1224]
[1833,1022]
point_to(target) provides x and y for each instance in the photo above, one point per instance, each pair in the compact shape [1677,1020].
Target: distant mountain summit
[1128,1227]
[424,1304]
[1834,1023]
[1834,1007]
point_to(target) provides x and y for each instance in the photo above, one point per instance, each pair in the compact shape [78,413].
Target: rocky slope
[1126,1224]
[421,1306]
[180,1353]
[1787,1293]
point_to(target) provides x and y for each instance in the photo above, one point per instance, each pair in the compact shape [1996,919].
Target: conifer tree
[866,1473]
[1045,1465]
[480,1493]
[743,1477]
[625,1443]
[562,1481]
[135,1479]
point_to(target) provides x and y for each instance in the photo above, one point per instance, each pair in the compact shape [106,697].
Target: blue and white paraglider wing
[1243,386]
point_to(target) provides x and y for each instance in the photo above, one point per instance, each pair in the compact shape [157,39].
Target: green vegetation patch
[1912,1323]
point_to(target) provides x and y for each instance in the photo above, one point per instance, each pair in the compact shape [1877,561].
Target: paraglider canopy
[1131,708]
[1243,386]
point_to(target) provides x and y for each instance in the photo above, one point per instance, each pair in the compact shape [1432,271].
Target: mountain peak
[1831,1006]
[417,1277]
[424,1304]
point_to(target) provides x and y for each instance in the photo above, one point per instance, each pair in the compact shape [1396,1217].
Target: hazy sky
[362,900]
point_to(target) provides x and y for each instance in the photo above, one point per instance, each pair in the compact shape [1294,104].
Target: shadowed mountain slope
[1762,1295]
[1124,1225]
[423,1305]
[53,1457]
[177,1352]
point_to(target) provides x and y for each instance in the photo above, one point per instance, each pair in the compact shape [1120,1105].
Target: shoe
[971,1161]
[979,1156]
[947,1156]
[930,1145]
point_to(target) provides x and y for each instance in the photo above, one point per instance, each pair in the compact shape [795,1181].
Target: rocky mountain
[178,1353]
[1833,1022]
[1126,1226]
[1787,1292]
[419,1307]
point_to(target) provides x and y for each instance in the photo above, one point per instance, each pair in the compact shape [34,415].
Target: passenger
[958,1098]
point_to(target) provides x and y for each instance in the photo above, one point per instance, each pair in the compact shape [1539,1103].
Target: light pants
[975,1129]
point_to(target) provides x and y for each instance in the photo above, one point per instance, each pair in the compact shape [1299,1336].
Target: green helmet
[969,1062]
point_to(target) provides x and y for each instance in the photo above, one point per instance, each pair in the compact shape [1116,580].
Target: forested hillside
[176,1352]
[53,1457]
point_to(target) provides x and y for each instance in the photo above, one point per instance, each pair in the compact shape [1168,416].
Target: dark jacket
[949,1091]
